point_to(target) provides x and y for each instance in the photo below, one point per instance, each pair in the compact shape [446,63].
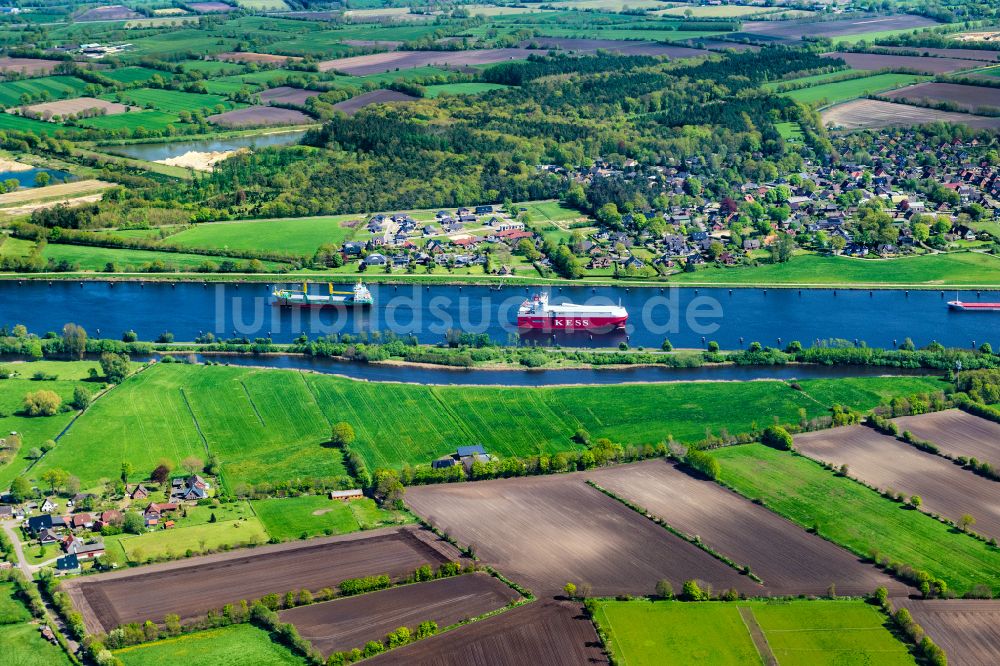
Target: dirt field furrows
[27,65]
[887,463]
[355,104]
[377,63]
[542,632]
[873,61]
[259,116]
[545,531]
[957,433]
[966,97]
[789,560]
[287,95]
[192,587]
[968,630]
[795,30]
[343,624]
[963,54]
[872,113]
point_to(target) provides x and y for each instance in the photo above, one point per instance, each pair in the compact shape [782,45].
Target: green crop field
[9,121]
[264,5]
[136,74]
[841,91]
[270,425]
[969,268]
[236,645]
[189,42]
[382,78]
[150,120]
[462,88]
[172,101]
[297,236]
[718,11]
[12,611]
[858,518]
[56,87]
[807,633]
[311,515]
[89,258]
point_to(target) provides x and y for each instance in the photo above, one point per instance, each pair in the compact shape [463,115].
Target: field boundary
[252,404]
[757,636]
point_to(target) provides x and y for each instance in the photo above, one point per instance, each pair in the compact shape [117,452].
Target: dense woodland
[710,119]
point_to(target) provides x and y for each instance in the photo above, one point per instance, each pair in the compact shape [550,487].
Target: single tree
[664,589]
[193,464]
[42,403]
[966,522]
[570,589]
[133,523]
[342,434]
[74,340]
[115,366]
[126,471]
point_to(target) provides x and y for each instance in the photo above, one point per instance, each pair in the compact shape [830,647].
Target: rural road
[22,563]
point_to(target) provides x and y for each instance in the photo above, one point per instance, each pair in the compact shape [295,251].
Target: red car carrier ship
[974,307]
[537,313]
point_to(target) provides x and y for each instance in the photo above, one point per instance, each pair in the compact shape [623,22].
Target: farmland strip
[195,419]
[757,634]
[252,405]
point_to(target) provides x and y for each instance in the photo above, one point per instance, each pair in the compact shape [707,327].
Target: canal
[688,317]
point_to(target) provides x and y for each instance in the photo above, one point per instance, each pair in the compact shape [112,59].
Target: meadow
[56,87]
[172,101]
[807,633]
[297,236]
[856,517]
[236,645]
[814,79]
[24,646]
[133,74]
[842,91]
[312,515]
[177,541]
[462,88]
[964,268]
[271,425]
[150,120]
[89,258]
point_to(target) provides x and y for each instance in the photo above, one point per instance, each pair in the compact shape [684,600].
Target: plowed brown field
[967,629]
[192,587]
[886,463]
[343,624]
[549,633]
[788,559]
[545,531]
[957,433]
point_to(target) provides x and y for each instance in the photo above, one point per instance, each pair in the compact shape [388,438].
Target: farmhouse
[465,456]
[68,563]
[193,487]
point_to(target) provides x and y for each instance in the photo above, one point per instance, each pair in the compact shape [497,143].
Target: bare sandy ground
[62,189]
[871,113]
[199,161]
[7,164]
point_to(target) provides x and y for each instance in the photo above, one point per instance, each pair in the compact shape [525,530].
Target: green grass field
[642,633]
[271,425]
[806,633]
[815,79]
[462,88]
[57,87]
[90,258]
[790,131]
[172,101]
[236,645]
[825,632]
[24,646]
[718,11]
[150,120]
[199,538]
[136,74]
[187,42]
[213,67]
[968,268]
[311,515]
[12,611]
[298,236]
[856,517]
[841,91]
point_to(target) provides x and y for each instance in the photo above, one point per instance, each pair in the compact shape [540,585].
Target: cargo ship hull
[974,307]
[292,302]
[575,323]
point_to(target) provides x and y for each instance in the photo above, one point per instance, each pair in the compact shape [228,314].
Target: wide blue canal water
[688,317]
